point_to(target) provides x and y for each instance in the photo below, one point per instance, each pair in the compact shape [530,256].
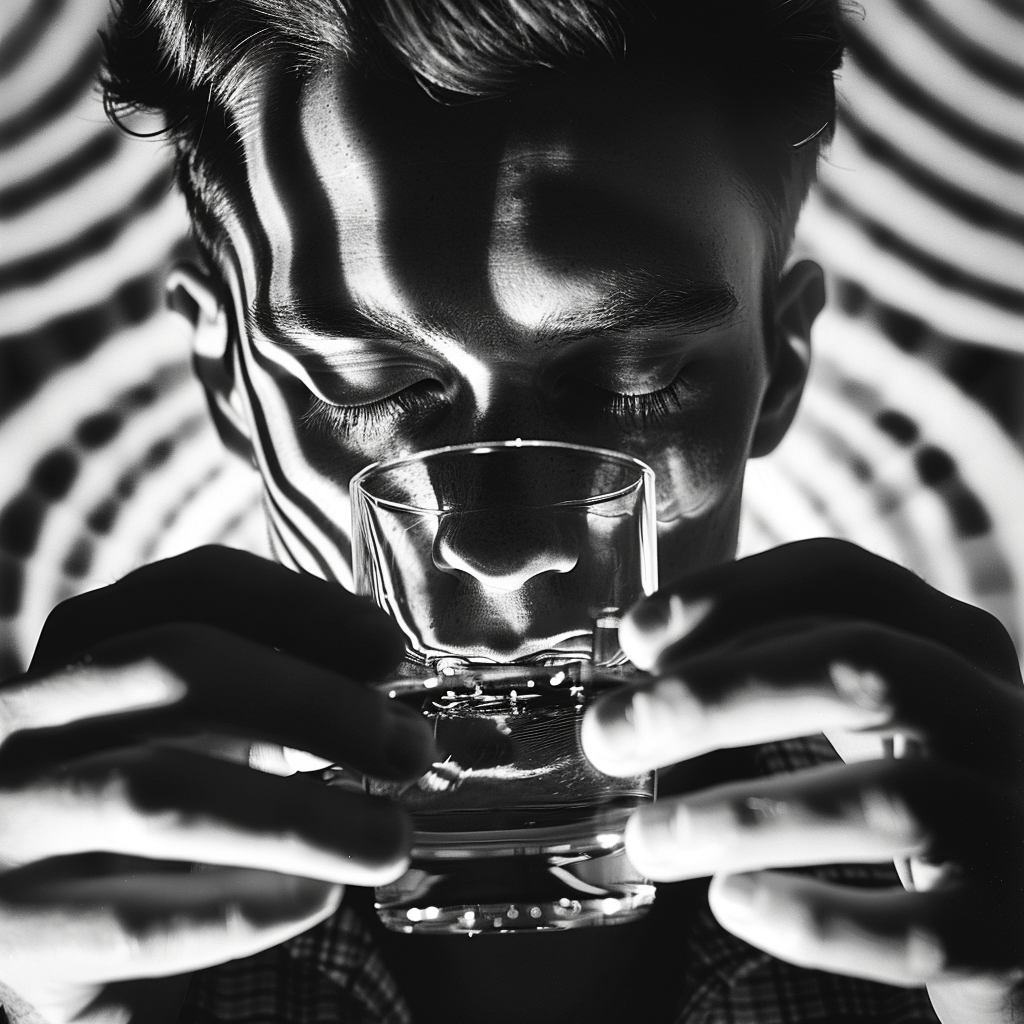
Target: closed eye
[633,410]
[417,401]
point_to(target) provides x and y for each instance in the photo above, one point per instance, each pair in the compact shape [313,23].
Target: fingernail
[735,895]
[614,714]
[638,727]
[407,743]
[649,627]
[289,898]
[651,617]
[662,834]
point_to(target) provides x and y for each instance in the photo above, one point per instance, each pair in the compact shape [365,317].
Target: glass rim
[357,483]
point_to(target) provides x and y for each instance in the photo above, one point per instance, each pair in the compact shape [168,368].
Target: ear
[800,298]
[192,293]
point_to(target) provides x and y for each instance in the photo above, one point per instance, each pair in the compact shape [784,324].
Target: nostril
[504,549]
[507,577]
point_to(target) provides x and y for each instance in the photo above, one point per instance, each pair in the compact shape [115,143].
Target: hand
[821,636]
[212,651]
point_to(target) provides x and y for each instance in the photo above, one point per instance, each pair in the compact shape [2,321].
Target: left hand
[822,636]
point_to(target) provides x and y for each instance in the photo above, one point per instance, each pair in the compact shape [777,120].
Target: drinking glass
[508,565]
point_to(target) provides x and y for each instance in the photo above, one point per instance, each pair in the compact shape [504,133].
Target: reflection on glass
[508,565]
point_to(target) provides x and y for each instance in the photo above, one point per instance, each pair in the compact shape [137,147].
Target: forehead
[553,196]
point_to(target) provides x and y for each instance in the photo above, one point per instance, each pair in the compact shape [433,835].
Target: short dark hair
[771,61]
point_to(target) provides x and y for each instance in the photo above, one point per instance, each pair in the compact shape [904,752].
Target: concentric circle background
[906,441]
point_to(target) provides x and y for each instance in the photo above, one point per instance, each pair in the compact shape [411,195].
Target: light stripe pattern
[107,459]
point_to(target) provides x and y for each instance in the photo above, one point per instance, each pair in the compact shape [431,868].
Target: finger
[193,678]
[850,676]
[864,813]
[891,936]
[813,579]
[162,803]
[150,924]
[237,592]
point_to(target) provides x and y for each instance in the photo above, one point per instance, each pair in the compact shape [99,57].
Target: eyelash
[643,409]
[348,419]
[634,411]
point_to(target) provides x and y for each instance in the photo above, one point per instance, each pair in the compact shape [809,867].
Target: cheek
[699,463]
[304,477]
[699,457]
[303,439]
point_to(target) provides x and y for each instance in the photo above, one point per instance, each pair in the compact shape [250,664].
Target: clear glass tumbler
[508,565]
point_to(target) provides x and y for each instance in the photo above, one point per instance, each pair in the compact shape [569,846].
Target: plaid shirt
[334,974]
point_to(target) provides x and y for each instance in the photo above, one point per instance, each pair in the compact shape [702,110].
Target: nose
[504,548]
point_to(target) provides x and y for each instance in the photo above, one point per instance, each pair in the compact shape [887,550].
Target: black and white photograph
[511,511]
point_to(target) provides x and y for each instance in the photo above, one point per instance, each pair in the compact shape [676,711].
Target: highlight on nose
[504,548]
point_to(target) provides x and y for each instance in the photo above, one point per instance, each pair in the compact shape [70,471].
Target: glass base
[504,885]
[514,829]
[504,918]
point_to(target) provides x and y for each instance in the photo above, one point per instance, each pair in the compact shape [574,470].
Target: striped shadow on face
[108,460]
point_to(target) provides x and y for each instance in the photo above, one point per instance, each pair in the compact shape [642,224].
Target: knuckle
[62,634]
[928,953]
[804,927]
[861,686]
[887,813]
[993,637]
[173,647]
[763,812]
[815,924]
[141,783]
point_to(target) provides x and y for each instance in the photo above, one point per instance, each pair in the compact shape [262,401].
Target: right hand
[105,749]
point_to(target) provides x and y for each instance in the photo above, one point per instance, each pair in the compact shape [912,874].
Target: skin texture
[403,275]
[488,243]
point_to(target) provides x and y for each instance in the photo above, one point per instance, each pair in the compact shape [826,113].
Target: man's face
[574,264]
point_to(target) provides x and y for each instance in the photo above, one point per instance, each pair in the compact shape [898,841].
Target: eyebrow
[282,323]
[646,307]
[642,306]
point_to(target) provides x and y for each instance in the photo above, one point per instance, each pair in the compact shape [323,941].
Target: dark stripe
[103,516]
[231,526]
[67,90]
[240,196]
[887,502]
[314,280]
[78,560]
[877,65]
[102,235]
[62,175]
[22,37]
[28,360]
[938,470]
[21,520]
[182,502]
[815,502]
[12,580]
[279,540]
[984,63]
[1009,7]
[276,474]
[230,174]
[900,427]
[950,276]
[763,525]
[968,206]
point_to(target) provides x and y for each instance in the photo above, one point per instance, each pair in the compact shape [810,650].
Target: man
[427,223]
